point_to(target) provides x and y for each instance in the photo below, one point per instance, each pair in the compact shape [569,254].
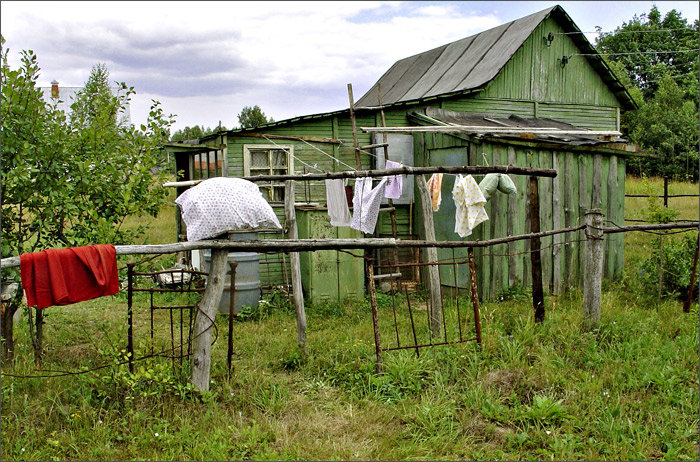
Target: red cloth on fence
[65,276]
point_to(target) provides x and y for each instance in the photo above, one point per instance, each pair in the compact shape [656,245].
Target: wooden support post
[39,347]
[593,269]
[375,314]
[204,320]
[130,314]
[297,293]
[430,255]
[475,295]
[535,256]
[693,275]
[666,191]
[358,162]
[231,314]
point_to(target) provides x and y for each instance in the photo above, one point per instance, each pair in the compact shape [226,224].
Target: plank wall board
[512,226]
[620,244]
[571,218]
[546,214]
[558,163]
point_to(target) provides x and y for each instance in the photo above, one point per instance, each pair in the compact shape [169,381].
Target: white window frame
[289,149]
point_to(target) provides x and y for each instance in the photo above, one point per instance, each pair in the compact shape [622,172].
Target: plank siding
[535,73]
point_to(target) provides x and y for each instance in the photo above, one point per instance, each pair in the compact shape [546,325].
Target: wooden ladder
[385,146]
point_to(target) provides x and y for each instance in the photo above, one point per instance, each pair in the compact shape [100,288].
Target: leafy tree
[193,133]
[664,83]
[70,181]
[252,117]
[660,42]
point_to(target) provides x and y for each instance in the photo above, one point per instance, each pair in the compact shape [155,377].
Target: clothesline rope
[325,153]
[295,157]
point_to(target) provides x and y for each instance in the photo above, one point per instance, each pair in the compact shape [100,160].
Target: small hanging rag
[469,202]
[366,203]
[496,181]
[435,185]
[394,184]
[66,276]
[337,203]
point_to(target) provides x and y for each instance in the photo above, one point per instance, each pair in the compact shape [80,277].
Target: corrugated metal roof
[458,66]
[470,63]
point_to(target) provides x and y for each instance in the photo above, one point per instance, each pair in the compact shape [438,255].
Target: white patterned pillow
[224,204]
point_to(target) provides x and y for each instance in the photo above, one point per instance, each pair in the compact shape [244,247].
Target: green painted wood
[605,166]
[535,73]
[501,220]
[571,218]
[351,284]
[525,159]
[546,221]
[620,244]
[514,260]
[558,164]
[485,261]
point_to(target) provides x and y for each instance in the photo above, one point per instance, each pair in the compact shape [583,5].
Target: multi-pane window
[268,160]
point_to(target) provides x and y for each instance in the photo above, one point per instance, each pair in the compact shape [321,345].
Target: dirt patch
[505,380]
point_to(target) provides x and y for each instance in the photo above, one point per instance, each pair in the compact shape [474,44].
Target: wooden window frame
[267,187]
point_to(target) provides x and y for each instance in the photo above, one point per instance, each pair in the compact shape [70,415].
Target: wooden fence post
[688,301]
[369,267]
[431,256]
[593,269]
[204,319]
[297,293]
[535,256]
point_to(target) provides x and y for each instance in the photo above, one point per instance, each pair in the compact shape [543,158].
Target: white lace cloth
[223,204]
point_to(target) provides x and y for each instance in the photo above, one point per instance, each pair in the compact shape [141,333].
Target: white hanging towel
[366,202]
[469,202]
[338,209]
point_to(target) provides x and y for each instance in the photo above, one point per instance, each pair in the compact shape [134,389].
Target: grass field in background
[626,391]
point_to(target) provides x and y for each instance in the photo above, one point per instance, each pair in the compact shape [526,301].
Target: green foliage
[667,126]
[194,133]
[655,212]
[250,117]
[116,386]
[677,258]
[645,70]
[664,85]
[70,181]
[544,410]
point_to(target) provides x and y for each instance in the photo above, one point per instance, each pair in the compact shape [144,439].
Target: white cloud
[206,60]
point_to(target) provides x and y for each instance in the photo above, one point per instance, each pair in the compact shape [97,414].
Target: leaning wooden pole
[431,256]
[297,293]
[204,320]
[369,268]
[688,301]
[593,269]
[535,255]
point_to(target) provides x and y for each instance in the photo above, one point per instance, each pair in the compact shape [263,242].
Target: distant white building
[65,96]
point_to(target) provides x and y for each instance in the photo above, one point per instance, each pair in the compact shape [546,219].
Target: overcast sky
[204,61]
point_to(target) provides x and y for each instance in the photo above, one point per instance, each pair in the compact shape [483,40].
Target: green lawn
[549,391]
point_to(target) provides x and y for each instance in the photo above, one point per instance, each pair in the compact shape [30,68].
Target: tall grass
[550,391]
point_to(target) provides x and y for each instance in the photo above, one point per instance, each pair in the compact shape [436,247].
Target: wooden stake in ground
[297,294]
[689,300]
[204,320]
[593,269]
[431,256]
[535,256]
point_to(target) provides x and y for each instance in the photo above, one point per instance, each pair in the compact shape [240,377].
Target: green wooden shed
[536,71]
